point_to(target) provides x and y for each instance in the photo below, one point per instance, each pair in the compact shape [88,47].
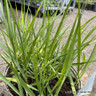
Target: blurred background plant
[50,2]
[86,1]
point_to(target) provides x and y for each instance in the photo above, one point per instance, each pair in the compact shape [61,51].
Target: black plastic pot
[95,6]
[27,3]
[72,69]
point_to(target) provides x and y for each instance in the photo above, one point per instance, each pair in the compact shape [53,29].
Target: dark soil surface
[65,90]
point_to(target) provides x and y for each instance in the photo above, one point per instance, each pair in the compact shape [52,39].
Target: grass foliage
[36,53]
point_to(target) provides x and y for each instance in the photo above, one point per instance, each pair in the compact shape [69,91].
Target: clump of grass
[38,55]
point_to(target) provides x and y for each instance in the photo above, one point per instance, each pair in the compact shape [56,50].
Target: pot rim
[6,86]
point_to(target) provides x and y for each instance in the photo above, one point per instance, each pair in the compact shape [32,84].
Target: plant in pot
[37,64]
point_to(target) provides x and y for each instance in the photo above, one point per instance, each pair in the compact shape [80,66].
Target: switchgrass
[38,55]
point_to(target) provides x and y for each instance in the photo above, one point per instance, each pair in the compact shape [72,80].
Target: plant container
[65,91]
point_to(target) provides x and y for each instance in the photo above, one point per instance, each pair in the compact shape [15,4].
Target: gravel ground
[86,15]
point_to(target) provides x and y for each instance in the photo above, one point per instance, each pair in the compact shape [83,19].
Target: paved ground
[87,15]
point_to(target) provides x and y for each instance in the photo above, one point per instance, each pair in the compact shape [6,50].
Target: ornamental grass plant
[38,56]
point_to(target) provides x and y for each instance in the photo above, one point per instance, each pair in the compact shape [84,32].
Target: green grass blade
[88,34]
[58,30]
[9,84]
[72,85]
[88,22]
[93,54]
